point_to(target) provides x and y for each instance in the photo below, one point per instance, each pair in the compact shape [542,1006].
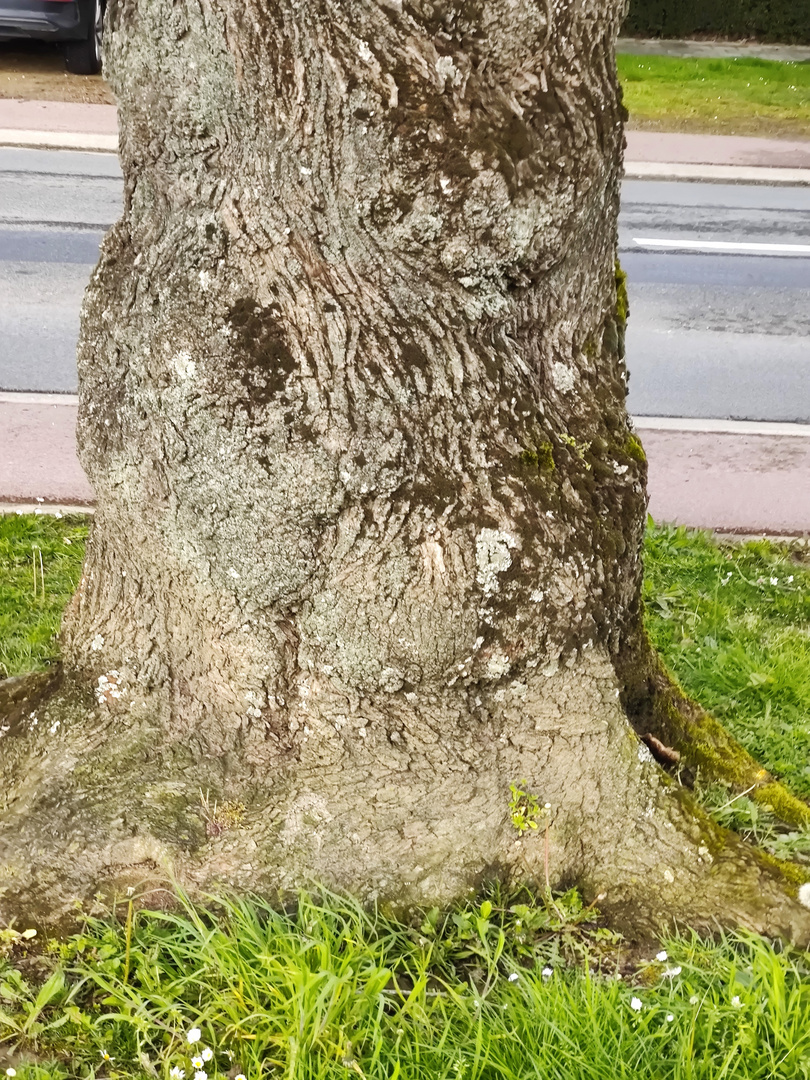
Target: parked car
[75,24]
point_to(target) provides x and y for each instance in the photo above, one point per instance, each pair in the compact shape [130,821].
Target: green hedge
[767,20]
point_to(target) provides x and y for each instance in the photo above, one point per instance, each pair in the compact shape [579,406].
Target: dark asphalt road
[710,335]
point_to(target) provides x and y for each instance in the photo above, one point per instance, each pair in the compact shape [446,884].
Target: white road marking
[723,245]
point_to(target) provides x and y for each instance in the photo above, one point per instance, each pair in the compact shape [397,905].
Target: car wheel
[84,57]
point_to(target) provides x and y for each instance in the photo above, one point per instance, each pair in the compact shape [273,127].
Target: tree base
[394,799]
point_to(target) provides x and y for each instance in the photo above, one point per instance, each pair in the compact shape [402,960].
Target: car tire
[84,57]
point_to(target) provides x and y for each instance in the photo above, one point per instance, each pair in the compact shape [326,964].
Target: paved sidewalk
[58,116]
[58,125]
[709,49]
[38,450]
[728,482]
[654,155]
[649,155]
[731,479]
[741,150]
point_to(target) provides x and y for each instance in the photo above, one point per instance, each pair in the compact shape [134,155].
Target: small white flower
[661,956]
[240,1076]
[804,894]
[193,1036]
[774,581]
[105,1056]
[693,1000]
[201,1074]
[197,1062]
[177,1073]
[547,972]
[735,1001]
[58,514]
[670,973]
[97,643]
[635,1004]
[514,977]
[670,1018]
[11,1072]
[207,1054]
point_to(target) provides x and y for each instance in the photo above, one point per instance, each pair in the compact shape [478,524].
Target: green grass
[329,990]
[744,96]
[33,594]
[733,623]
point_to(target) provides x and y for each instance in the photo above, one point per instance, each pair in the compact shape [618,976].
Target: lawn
[500,989]
[40,563]
[733,623]
[743,96]
[505,987]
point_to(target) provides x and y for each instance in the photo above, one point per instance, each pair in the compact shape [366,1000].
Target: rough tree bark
[367,547]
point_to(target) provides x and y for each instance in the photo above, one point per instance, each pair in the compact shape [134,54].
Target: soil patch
[35,71]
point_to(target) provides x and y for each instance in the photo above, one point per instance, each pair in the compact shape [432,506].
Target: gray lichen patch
[492,557]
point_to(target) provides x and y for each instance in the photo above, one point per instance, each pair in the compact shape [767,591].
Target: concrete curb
[727,174]
[55,509]
[721,427]
[59,140]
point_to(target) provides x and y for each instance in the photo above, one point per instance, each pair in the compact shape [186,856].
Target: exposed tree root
[99,799]
[659,707]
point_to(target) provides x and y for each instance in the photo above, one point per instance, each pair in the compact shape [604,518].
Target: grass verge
[328,990]
[40,565]
[742,96]
[732,622]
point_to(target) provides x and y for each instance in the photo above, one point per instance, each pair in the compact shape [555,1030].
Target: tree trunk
[370,509]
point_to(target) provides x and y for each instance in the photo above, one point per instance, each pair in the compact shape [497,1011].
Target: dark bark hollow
[370,509]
